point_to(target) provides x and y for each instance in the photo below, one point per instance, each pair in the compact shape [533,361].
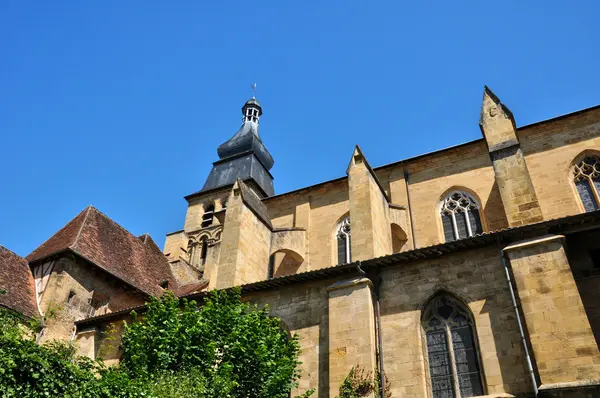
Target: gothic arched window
[454,368]
[343,241]
[207,217]
[587,180]
[460,216]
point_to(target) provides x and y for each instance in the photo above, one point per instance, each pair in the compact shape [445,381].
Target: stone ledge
[570,384]
[350,283]
[533,242]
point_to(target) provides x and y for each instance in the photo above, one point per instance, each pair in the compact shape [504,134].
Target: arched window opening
[207,217]
[271,267]
[192,252]
[343,241]
[203,251]
[587,180]
[460,216]
[399,238]
[284,262]
[454,368]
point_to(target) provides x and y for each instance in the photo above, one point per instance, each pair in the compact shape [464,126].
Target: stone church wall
[327,205]
[430,177]
[475,277]
[550,149]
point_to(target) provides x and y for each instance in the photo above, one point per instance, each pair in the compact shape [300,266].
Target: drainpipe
[377,284]
[521,331]
[412,228]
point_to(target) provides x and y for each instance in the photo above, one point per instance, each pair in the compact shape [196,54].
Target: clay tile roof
[16,279]
[95,237]
[191,288]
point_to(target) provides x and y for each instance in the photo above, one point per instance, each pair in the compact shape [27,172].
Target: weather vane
[254,89]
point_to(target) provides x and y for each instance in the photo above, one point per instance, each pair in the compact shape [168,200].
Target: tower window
[587,180]
[204,250]
[343,242]
[207,217]
[454,368]
[460,216]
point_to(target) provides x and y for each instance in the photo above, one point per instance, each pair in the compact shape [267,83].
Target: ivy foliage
[362,383]
[225,348]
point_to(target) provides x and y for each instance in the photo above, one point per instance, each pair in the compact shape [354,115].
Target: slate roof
[17,280]
[101,241]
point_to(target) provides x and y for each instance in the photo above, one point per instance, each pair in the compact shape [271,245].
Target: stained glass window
[460,216]
[587,180]
[453,360]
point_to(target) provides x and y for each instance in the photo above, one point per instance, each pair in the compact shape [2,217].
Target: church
[469,271]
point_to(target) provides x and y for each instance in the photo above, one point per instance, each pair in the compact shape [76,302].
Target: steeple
[244,155]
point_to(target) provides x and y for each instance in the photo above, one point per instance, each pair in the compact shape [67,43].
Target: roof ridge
[13,253]
[115,223]
[87,213]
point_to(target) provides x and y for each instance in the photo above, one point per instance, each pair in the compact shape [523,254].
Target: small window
[70,297]
[454,368]
[343,242]
[207,217]
[460,216]
[587,181]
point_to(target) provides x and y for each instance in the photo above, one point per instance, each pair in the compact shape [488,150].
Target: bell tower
[244,156]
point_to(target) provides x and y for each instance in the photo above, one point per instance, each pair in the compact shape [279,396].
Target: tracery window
[587,180]
[207,217]
[454,368]
[343,241]
[460,216]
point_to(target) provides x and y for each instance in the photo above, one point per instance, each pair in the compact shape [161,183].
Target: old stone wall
[318,209]
[477,279]
[71,288]
[197,205]
[562,340]
[550,149]
[465,168]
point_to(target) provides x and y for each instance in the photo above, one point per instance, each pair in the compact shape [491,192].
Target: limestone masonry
[469,271]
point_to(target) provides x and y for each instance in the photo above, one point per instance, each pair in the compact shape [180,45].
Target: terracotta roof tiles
[98,239]
[17,284]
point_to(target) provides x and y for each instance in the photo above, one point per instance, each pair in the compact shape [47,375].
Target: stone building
[468,271]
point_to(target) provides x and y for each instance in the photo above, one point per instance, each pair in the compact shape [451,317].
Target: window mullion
[347,239]
[594,190]
[455,226]
[452,362]
[468,220]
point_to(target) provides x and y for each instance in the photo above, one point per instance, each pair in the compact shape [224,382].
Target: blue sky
[122,104]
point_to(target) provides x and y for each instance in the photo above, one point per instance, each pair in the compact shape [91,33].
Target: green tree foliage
[225,348]
[239,350]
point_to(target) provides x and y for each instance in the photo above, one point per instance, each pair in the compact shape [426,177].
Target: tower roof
[244,155]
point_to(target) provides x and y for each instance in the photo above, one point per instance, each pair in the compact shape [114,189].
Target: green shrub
[226,348]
